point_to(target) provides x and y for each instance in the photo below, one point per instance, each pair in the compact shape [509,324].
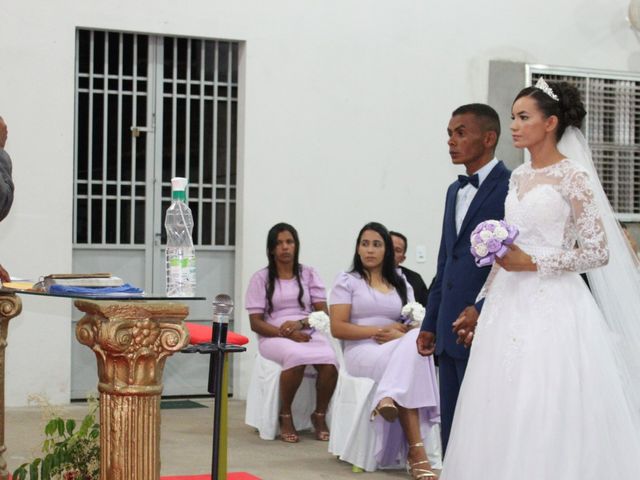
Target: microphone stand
[217,349]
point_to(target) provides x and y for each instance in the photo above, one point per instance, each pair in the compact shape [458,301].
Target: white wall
[345,108]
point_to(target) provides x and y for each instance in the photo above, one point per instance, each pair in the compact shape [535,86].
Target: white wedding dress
[542,397]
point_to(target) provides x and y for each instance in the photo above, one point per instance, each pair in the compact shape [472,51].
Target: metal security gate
[149,108]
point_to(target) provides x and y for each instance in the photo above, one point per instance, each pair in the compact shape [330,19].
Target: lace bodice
[559,222]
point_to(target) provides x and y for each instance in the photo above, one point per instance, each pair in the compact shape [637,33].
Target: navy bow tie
[463,180]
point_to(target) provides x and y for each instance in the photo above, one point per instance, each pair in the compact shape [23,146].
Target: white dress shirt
[468,192]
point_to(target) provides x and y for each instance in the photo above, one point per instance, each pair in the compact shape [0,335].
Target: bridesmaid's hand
[299,336]
[516,260]
[390,332]
[290,326]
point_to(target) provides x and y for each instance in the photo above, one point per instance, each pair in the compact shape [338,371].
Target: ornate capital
[10,306]
[131,341]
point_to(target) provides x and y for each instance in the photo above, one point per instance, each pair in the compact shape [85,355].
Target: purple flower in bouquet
[490,239]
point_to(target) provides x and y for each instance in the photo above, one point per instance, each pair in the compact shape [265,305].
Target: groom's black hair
[488,117]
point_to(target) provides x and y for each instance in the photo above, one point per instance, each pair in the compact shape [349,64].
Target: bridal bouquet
[319,321]
[412,314]
[490,239]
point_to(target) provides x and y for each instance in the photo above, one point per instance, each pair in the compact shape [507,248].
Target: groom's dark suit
[458,282]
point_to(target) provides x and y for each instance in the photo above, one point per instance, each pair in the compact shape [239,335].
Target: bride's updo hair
[568,108]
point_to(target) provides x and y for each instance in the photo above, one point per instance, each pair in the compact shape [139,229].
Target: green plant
[70,453]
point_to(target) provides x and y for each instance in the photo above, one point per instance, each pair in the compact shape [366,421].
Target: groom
[473,132]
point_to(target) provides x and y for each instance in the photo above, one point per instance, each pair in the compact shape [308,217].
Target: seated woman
[366,306]
[279,300]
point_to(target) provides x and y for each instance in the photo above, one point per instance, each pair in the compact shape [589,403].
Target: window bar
[214,173]
[119,139]
[174,103]
[201,143]
[90,141]
[134,142]
[75,143]
[227,205]
[105,129]
[187,114]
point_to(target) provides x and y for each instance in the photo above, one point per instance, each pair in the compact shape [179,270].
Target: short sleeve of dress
[317,291]
[256,298]
[342,291]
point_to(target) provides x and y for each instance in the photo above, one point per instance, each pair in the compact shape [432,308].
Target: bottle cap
[179,183]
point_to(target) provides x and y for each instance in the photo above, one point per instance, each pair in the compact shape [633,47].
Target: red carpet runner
[230,476]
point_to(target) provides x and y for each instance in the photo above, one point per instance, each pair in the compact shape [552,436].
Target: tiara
[544,86]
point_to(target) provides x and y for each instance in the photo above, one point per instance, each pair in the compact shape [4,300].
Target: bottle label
[181,278]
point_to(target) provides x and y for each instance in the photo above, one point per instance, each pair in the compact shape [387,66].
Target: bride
[552,387]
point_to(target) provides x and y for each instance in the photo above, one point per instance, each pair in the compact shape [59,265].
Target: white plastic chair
[263,399]
[352,434]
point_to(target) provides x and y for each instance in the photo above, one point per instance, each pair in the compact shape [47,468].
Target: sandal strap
[420,473]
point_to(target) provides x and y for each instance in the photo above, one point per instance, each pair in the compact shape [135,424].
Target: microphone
[222,309]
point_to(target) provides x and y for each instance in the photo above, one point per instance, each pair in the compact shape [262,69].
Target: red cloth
[202,334]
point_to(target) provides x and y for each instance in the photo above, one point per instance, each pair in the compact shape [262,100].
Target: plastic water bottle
[180,256]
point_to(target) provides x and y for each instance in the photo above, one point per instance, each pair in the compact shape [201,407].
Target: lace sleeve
[585,240]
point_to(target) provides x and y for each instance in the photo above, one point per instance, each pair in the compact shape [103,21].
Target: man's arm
[6,184]
[435,294]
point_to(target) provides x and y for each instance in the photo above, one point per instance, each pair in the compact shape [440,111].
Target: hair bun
[571,104]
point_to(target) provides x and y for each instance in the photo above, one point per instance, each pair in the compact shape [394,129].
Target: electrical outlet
[421,253]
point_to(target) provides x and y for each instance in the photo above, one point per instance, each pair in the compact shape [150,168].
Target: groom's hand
[465,325]
[426,343]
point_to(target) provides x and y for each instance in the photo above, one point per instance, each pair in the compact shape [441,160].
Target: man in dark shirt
[6,184]
[420,290]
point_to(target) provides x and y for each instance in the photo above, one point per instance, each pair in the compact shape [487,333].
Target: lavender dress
[397,368]
[283,351]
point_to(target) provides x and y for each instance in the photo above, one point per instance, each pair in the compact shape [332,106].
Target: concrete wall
[345,105]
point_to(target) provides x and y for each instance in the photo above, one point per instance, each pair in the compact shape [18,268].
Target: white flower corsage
[319,321]
[413,314]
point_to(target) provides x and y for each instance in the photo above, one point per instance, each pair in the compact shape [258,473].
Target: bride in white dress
[551,389]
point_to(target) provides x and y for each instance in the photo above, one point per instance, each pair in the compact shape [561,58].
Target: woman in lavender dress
[366,306]
[279,300]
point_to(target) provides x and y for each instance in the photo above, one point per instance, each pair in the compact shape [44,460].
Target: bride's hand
[516,260]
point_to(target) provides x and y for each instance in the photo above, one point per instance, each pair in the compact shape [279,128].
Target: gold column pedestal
[131,340]
[10,306]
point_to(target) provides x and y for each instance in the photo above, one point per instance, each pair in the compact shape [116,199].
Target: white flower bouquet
[412,314]
[319,321]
